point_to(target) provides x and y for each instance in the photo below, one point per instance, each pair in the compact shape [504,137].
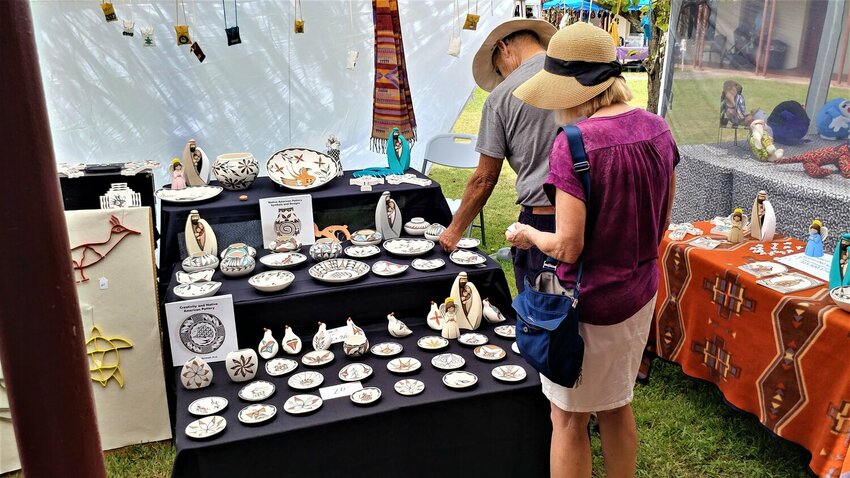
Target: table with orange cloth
[783,358]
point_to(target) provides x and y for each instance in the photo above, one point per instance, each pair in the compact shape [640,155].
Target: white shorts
[612,355]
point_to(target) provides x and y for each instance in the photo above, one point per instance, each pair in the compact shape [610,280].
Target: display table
[780,357]
[632,53]
[335,203]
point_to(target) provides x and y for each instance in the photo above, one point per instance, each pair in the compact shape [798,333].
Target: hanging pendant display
[471,22]
[232,33]
[182,30]
[129,25]
[351,58]
[109,11]
[299,17]
[147,36]
[454,40]
[196,49]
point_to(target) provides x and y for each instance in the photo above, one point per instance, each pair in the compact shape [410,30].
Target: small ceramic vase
[268,346]
[200,262]
[196,374]
[324,249]
[322,339]
[450,328]
[285,244]
[236,171]
[236,266]
[355,345]
[435,318]
[291,342]
[397,328]
[433,231]
[416,226]
[491,312]
[242,365]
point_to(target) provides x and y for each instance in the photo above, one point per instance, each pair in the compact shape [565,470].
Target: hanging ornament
[299,17]
[454,40]
[108,11]
[182,30]
[147,36]
[471,22]
[232,33]
[129,25]
[351,58]
[196,49]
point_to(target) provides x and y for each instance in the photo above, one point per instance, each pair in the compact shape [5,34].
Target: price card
[338,334]
[337,391]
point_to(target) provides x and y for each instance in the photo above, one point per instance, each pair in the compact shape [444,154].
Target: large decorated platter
[188,195]
[338,270]
[301,169]
[408,247]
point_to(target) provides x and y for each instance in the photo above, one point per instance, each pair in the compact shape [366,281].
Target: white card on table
[203,327]
[338,334]
[287,215]
[342,390]
[788,283]
[816,266]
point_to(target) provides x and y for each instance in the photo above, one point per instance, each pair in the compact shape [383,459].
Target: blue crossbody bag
[547,314]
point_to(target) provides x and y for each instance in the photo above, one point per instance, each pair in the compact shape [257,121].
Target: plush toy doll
[733,108]
[833,121]
[761,142]
[814,160]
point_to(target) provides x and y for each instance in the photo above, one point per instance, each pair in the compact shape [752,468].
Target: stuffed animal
[833,121]
[814,160]
[761,142]
[733,108]
[789,123]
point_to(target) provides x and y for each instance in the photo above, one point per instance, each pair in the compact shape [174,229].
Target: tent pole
[42,341]
[761,37]
[844,52]
[769,37]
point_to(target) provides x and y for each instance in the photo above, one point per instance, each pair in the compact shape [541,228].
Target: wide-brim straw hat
[483,69]
[579,42]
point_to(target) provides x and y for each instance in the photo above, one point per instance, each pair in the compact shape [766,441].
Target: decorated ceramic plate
[317,358]
[427,264]
[387,268]
[515,348]
[409,387]
[257,413]
[509,373]
[338,270]
[506,331]
[463,257]
[257,391]
[460,379]
[306,380]
[283,260]
[408,247]
[206,427]
[197,290]
[280,366]
[207,406]
[366,396]
[472,339]
[361,252]
[403,365]
[468,243]
[271,281]
[386,349]
[448,361]
[189,194]
[489,352]
[432,342]
[192,277]
[301,404]
[366,237]
[354,372]
[301,169]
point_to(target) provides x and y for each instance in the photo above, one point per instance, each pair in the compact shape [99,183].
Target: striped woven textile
[392,104]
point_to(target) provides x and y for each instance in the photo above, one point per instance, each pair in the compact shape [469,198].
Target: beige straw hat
[580,64]
[482,65]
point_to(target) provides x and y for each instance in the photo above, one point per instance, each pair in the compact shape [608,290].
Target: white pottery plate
[403,365]
[207,406]
[280,366]
[515,348]
[463,257]
[448,361]
[366,396]
[361,252]
[489,352]
[257,413]
[189,194]
[206,427]
[432,342]
[192,277]
[506,331]
[338,270]
[473,339]
[409,387]
[468,243]
[301,169]
[306,380]
[300,404]
[408,247]
[460,379]
[509,373]
[317,358]
[386,349]
[354,372]
[271,281]
[427,265]
[387,268]
[283,260]
[197,290]
[257,391]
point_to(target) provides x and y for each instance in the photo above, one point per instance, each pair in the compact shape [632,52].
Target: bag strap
[582,169]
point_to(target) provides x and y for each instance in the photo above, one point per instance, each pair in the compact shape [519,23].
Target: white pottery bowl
[433,231]
[271,281]
[235,266]
[197,290]
[285,244]
[841,297]
[325,248]
[366,237]
[416,226]
[200,262]
[236,171]
[355,345]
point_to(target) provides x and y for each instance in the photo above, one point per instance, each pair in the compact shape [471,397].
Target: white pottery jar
[325,248]
[236,266]
[236,171]
[416,226]
[355,345]
[196,373]
[433,231]
[242,365]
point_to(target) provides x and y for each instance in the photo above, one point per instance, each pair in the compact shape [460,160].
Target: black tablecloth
[494,429]
[335,203]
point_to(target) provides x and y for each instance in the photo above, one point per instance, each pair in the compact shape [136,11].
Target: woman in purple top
[616,231]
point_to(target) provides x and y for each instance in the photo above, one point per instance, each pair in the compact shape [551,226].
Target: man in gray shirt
[512,53]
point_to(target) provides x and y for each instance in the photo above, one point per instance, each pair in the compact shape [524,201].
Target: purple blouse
[632,156]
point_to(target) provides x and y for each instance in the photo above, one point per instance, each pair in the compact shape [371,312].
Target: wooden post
[769,37]
[761,37]
[844,52]
[42,341]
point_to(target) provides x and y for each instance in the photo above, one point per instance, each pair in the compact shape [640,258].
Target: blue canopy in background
[574,4]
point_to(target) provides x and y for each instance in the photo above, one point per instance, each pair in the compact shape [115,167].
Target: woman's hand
[519,235]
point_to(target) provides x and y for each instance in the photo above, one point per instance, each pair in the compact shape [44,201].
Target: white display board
[287,215]
[201,327]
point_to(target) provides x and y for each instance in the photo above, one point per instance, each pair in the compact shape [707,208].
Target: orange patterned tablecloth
[783,358]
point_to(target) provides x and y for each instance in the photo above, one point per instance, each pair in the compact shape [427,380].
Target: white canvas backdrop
[110,99]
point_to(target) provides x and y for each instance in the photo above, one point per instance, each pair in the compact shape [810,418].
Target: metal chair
[454,151]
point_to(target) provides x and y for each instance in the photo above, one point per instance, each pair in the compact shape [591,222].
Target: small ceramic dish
[841,297]
[515,348]
[362,252]
[366,396]
[366,237]
[432,342]
[468,243]
[207,406]
[409,387]
[387,268]
[459,379]
[427,264]
[271,281]
[509,373]
[408,247]
[197,290]
[192,277]
[280,366]
[306,380]
[189,194]
[404,365]
[489,352]
[386,349]
[257,413]
[354,372]
[283,260]
[473,339]
[463,257]
[206,427]
[200,262]
[448,361]
[317,358]
[257,391]
[506,331]
[302,404]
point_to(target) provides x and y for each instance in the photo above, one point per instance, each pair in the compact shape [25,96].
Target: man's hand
[450,237]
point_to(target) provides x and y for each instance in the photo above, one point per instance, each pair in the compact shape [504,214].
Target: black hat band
[585,72]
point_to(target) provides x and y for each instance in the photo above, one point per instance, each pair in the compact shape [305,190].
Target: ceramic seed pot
[325,249]
[355,345]
[433,231]
[235,266]
[416,226]
[236,171]
[238,249]
[196,373]
[199,262]
[242,365]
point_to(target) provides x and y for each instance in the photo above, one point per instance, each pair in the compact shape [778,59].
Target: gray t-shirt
[519,132]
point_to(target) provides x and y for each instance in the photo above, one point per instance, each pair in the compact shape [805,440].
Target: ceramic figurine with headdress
[736,233]
[839,275]
[388,217]
[762,219]
[178,177]
[817,234]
